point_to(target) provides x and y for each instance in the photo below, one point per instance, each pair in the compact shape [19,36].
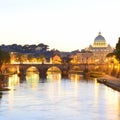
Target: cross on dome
[99,33]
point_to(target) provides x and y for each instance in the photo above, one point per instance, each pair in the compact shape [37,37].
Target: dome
[99,41]
[99,38]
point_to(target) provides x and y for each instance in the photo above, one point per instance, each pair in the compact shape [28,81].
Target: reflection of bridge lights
[13,80]
[75,77]
[96,90]
[53,76]
[110,93]
[32,79]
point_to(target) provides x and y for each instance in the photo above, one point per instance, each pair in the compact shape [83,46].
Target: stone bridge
[64,68]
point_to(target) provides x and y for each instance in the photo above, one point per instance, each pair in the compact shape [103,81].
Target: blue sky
[65,25]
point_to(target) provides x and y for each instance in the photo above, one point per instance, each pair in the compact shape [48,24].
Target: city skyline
[65,25]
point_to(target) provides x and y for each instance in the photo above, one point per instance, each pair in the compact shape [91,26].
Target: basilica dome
[99,41]
[99,38]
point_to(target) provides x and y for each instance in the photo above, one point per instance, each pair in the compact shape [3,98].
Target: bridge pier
[43,74]
[65,71]
[64,74]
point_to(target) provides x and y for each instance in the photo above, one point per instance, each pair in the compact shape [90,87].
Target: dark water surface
[58,99]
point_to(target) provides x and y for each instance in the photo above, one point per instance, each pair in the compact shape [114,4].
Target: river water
[58,99]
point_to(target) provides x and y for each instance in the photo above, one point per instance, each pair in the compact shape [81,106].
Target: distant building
[83,57]
[95,53]
[56,59]
[100,49]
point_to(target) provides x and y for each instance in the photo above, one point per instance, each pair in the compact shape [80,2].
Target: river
[58,99]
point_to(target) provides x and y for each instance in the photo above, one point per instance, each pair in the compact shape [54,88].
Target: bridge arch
[54,69]
[76,67]
[32,69]
[10,70]
[43,68]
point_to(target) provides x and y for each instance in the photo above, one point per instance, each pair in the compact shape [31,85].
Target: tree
[4,58]
[110,54]
[117,51]
[43,47]
[41,58]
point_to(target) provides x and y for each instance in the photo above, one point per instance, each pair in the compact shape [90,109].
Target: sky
[65,25]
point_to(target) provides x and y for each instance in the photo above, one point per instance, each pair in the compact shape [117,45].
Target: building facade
[95,53]
[83,57]
[100,49]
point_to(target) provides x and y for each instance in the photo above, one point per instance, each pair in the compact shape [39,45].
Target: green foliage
[110,54]
[4,57]
[117,51]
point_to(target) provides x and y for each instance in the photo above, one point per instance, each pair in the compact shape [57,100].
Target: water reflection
[13,81]
[1,94]
[113,97]
[96,90]
[32,78]
[57,98]
[75,77]
[9,82]
[53,76]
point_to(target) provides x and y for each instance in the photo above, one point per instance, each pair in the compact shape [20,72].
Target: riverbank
[110,81]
